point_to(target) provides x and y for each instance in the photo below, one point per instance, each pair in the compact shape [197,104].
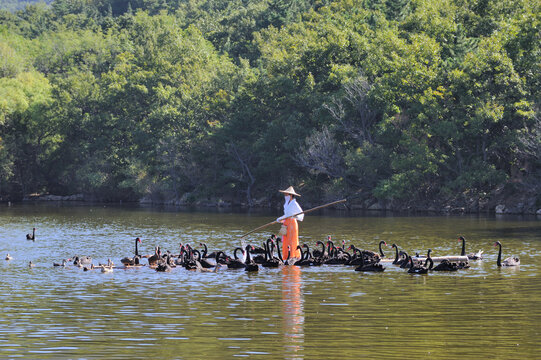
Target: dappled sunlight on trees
[403,101]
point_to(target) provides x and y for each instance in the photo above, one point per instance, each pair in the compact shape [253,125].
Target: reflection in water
[293,311]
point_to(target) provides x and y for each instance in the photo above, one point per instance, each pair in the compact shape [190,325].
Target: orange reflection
[292,310]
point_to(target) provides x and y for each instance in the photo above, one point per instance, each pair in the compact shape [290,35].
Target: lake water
[327,312]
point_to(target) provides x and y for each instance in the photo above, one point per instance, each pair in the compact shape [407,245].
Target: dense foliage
[403,101]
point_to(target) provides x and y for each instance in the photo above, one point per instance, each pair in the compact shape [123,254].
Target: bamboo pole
[302,212]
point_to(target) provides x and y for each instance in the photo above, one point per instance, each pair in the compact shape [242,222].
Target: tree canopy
[408,102]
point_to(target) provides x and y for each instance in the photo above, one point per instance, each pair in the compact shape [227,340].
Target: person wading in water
[290,235]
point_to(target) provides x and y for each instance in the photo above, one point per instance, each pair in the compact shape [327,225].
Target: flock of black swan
[250,258]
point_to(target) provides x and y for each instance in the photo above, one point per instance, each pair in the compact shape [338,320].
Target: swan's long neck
[396,255]
[499,262]
[302,252]
[463,252]
[248,258]
[308,254]
[204,250]
[136,251]
[279,250]
[381,250]
[271,250]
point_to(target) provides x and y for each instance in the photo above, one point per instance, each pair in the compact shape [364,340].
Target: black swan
[204,254]
[33,236]
[222,258]
[237,263]
[319,253]
[261,250]
[357,254]
[372,256]
[375,267]
[249,263]
[381,253]
[206,263]
[309,256]
[180,258]
[278,250]
[128,261]
[339,257]
[444,265]
[477,256]
[289,260]
[398,259]
[406,264]
[418,268]
[368,256]
[190,262]
[270,260]
[261,258]
[331,259]
[305,256]
[510,261]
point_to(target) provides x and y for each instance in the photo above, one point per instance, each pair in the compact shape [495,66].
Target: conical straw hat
[289,191]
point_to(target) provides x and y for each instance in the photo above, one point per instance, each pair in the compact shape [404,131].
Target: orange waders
[291,238]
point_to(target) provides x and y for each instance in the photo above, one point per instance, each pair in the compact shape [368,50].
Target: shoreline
[373,206]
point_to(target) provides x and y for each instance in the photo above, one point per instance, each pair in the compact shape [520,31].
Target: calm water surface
[313,313]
